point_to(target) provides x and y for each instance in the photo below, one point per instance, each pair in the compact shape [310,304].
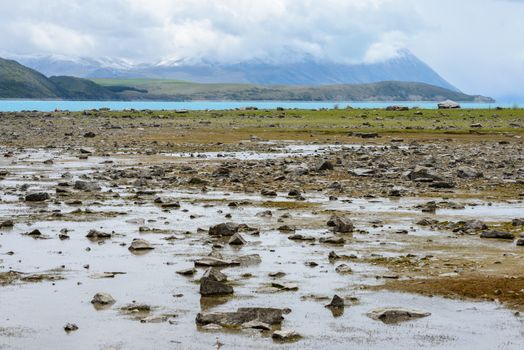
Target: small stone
[103,299]
[285,336]
[70,327]
[237,239]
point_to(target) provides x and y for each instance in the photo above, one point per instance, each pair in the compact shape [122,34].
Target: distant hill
[18,81]
[161,89]
[304,70]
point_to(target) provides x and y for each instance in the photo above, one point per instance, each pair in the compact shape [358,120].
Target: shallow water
[32,315]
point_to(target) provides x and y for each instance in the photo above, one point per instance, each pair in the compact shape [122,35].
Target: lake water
[47,106]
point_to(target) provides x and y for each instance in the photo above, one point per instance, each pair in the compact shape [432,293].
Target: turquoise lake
[47,106]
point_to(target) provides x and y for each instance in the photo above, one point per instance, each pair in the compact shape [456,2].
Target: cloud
[475,44]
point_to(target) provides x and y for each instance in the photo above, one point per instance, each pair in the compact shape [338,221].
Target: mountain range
[52,77]
[304,71]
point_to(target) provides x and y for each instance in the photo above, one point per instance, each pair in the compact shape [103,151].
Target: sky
[477,45]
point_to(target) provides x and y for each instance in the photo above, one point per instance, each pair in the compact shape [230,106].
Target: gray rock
[396,315]
[224,229]
[333,240]
[211,261]
[237,239]
[210,287]
[285,336]
[468,173]
[326,165]
[103,299]
[187,272]
[140,244]
[215,274]
[271,316]
[497,234]
[340,224]
[70,327]
[336,302]
[37,197]
[98,235]
[87,186]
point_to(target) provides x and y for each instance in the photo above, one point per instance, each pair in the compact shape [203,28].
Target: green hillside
[17,81]
[158,89]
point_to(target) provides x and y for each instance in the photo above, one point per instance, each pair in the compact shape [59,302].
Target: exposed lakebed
[350,227]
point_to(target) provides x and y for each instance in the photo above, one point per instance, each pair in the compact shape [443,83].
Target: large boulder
[448,104]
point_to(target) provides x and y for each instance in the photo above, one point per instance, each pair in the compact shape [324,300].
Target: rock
[87,186]
[7,224]
[448,104]
[37,197]
[271,316]
[268,193]
[285,336]
[215,274]
[224,229]
[333,240]
[98,235]
[210,261]
[520,242]
[396,315]
[497,234]
[336,302]
[286,228]
[255,324]
[237,239]
[277,274]
[89,134]
[70,327]
[285,286]
[326,165]
[397,108]
[421,173]
[517,222]
[209,286]
[103,299]
[442,184]
[140,244]
[248,259]
[299,237]
[187,272]
[340,224]
[468,173]
[343,269]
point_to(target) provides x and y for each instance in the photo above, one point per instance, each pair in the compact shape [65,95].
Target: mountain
[152,89]
[18,81]
[304,71]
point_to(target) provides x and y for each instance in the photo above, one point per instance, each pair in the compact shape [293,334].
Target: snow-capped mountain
[305,71]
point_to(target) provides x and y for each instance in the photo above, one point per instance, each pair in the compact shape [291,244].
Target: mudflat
[262,229]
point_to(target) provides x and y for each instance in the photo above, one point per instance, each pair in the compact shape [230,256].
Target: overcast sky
[477,45]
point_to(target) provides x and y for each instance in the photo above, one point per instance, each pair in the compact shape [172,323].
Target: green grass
[346,120]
